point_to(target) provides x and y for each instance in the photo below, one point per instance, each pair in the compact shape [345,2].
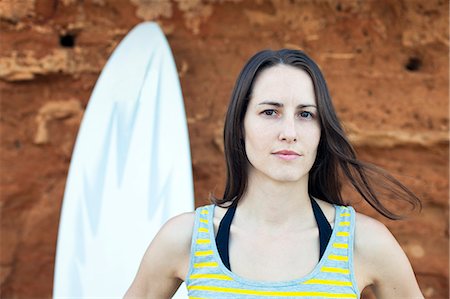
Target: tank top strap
[336,267]
[203,263]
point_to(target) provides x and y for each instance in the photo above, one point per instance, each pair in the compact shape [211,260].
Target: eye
[306,114]
[269,112]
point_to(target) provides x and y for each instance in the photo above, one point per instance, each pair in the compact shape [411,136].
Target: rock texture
[386,63]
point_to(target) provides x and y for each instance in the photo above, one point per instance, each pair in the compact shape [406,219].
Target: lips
[287,155]
[286,152]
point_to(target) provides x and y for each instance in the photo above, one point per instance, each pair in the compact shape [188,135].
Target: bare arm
[166,260]
[387,265]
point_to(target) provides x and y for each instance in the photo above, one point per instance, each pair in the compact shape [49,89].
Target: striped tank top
[333,276]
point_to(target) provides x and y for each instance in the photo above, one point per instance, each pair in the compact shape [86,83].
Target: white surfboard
[130,170]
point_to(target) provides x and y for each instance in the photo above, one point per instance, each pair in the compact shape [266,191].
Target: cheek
[253,142]
[312,140]
[316,146]
[315,133]
[258,145]
[317,140]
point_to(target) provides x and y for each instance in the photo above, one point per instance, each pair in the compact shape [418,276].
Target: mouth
[287,155]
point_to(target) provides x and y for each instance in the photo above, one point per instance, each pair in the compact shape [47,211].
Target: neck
[272,203]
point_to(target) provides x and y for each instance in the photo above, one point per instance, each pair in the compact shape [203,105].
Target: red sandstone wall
[386,63]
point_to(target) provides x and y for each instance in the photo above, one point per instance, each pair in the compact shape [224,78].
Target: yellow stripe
[268,293]
[203,241]
[205,264]
[210,276]
[329,282]
[204,212]
[343,234]
[344,223]
[204,220]
[203,230]
[340,245]
[190,297]
[345,214]
[338,257]
[204,253]
[334,270]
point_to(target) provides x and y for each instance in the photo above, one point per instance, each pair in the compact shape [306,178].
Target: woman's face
[281,125]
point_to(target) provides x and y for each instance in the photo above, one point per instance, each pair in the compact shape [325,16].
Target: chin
[283,178]
[279,175]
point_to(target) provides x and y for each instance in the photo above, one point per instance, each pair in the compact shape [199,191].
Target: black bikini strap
[324,226]
[223,235]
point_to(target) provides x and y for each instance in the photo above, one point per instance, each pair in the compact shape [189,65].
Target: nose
[288,132]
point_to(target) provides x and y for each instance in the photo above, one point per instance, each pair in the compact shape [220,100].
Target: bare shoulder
[179,228]
[371,236]
[372,239]
[173,243]
[176,234]
[166,260]
[366,222]
[381,261]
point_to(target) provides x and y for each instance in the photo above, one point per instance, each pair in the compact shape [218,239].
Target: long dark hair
[336,159]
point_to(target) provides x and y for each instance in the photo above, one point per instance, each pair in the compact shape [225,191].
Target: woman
[282,229]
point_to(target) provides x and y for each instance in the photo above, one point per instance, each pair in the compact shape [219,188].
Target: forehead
[283,82]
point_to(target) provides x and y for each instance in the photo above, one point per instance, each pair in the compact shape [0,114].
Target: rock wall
[386,63]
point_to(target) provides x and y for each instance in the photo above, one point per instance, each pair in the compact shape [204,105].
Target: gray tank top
[333,276]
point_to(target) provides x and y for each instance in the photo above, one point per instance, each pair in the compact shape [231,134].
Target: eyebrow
[276,104]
